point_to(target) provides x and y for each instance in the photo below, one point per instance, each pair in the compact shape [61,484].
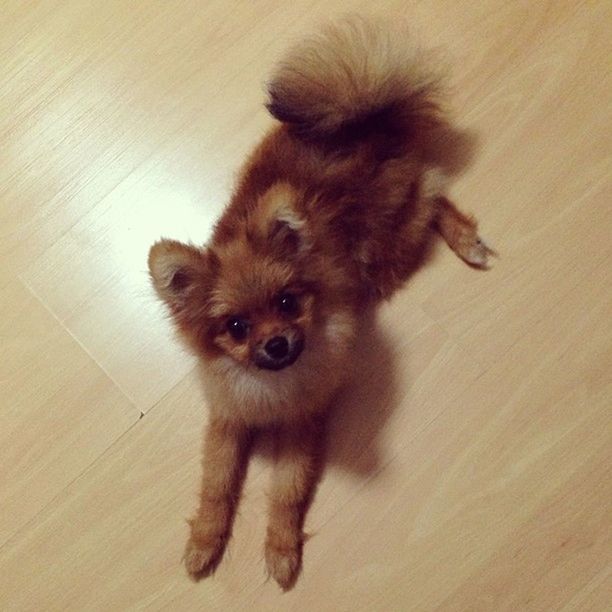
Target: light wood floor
[471,468]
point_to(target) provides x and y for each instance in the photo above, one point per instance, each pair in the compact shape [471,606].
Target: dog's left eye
[288,304]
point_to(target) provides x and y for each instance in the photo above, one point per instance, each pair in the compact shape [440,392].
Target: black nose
[277,347]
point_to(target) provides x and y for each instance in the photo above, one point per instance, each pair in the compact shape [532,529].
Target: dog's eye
[288,304]
[238,328]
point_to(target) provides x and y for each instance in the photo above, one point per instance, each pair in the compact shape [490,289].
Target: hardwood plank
[58,410]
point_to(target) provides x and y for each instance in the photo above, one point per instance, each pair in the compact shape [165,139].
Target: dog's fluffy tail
[354,71]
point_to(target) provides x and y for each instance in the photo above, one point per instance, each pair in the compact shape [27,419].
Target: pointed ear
[280,222]
[178,269]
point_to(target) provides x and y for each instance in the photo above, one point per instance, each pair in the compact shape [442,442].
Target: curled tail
[353,71]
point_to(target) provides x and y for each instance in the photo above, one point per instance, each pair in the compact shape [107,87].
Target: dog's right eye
[238,328]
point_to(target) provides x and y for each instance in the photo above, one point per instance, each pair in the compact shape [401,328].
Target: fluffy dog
[330,215]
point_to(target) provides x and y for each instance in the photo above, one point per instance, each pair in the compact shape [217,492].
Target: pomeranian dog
[329,217]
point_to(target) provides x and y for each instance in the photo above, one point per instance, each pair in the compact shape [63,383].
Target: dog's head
[258,294]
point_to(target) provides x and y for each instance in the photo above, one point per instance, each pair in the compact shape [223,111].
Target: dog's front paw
[283,564]
[202,556]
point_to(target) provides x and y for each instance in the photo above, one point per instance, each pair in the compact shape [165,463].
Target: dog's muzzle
[279,352]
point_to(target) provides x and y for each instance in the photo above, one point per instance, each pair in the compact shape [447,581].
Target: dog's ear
[280,223]
[179,270]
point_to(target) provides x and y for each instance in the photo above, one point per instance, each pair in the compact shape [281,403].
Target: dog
[330,215]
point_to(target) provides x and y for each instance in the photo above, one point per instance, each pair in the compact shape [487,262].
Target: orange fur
[330,215]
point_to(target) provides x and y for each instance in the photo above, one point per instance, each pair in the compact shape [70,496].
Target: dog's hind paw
[477,252]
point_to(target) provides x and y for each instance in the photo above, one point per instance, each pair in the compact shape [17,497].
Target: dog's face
[253,295]
[262,311]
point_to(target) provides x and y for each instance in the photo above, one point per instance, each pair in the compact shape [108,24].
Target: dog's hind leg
[460,232]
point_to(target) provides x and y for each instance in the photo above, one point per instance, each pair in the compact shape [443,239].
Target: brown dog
[330,215]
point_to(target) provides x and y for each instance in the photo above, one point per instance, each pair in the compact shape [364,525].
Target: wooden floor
[471,468]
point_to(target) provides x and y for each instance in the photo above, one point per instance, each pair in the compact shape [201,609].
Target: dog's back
[356,104]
